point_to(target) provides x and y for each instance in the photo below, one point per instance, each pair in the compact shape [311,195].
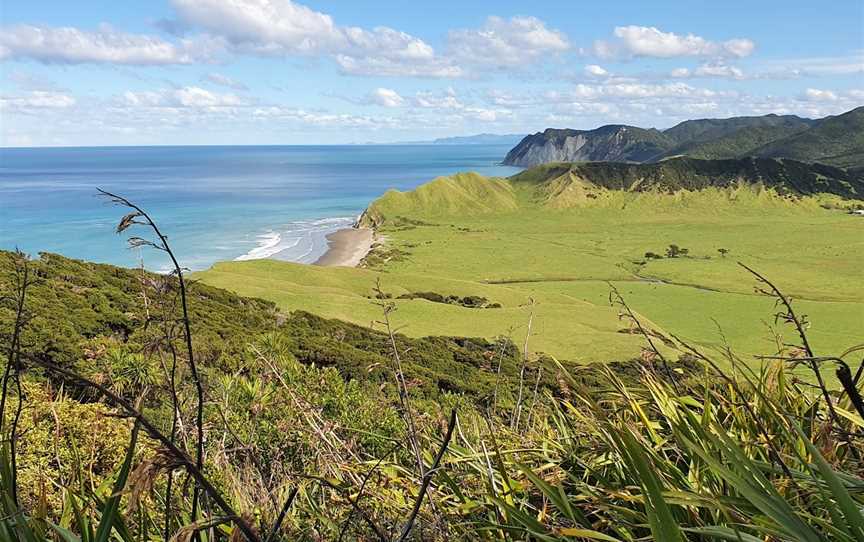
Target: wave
[301,241]
[267,246]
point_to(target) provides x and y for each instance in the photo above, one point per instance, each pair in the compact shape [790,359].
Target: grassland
[565,244]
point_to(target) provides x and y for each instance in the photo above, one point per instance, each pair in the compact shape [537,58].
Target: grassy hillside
[101,313]
[458,194]
[784,177]
[733,138]
[835,140]
[694,132]
[560,241]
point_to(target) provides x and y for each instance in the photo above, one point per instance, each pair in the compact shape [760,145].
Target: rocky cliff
[614,143]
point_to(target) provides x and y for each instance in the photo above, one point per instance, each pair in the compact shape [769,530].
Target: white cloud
[185,97]
[856,94]
[719,70]
[850,64]
[68,45]
[224,81]
[818,95]
[199,97]
[447,104]
[9,138]
[506,98]
[36,101]
[317,118]
[388,67]
[716,69]
[29,81]
[505,43]
[649,41]
[386,97]
[739,47]
[433,100]
[171,114]
[168,110]
[286,28]
[263,24]
[636,91]
[593,70]
[661,105]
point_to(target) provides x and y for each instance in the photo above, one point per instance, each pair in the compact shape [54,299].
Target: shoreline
[346,247]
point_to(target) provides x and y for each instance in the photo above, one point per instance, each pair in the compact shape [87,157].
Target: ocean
[214,203]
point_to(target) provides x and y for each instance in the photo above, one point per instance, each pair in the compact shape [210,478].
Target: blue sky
[284,72]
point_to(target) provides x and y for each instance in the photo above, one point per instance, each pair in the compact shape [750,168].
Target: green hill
[833,140]
[702,130]
[731,138]
[446,195]
[764,181]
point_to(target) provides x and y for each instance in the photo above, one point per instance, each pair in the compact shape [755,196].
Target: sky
[192,72]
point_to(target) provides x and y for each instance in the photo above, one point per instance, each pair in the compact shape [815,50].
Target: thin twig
[193,368]
[355,504]
[363,487]
[514,421]
[619,300]
[402,386]
[176,453]
[281,517]
[793,318]
[427,479]
[534,400]
[504,343]
[13,364]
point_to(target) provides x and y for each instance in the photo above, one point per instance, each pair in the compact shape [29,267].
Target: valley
[564,243]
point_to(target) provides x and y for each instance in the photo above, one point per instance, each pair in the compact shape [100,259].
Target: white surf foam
[268,244]
[302,241]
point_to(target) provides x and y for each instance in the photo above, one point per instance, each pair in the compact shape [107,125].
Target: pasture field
[566,247]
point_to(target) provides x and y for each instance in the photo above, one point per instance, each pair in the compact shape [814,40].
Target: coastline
[347,247]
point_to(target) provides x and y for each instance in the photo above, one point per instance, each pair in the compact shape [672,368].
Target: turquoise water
[214,203]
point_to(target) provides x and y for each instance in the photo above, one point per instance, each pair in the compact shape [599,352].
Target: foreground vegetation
[144,407]
[658,448]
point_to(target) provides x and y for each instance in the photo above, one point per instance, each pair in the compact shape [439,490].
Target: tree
[675,251]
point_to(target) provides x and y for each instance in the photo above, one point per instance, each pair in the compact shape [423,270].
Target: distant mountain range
[479,139]
[836,141]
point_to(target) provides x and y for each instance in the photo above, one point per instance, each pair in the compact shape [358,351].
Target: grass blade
[110,512]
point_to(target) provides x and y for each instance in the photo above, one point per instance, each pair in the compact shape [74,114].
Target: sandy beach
[347,247]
